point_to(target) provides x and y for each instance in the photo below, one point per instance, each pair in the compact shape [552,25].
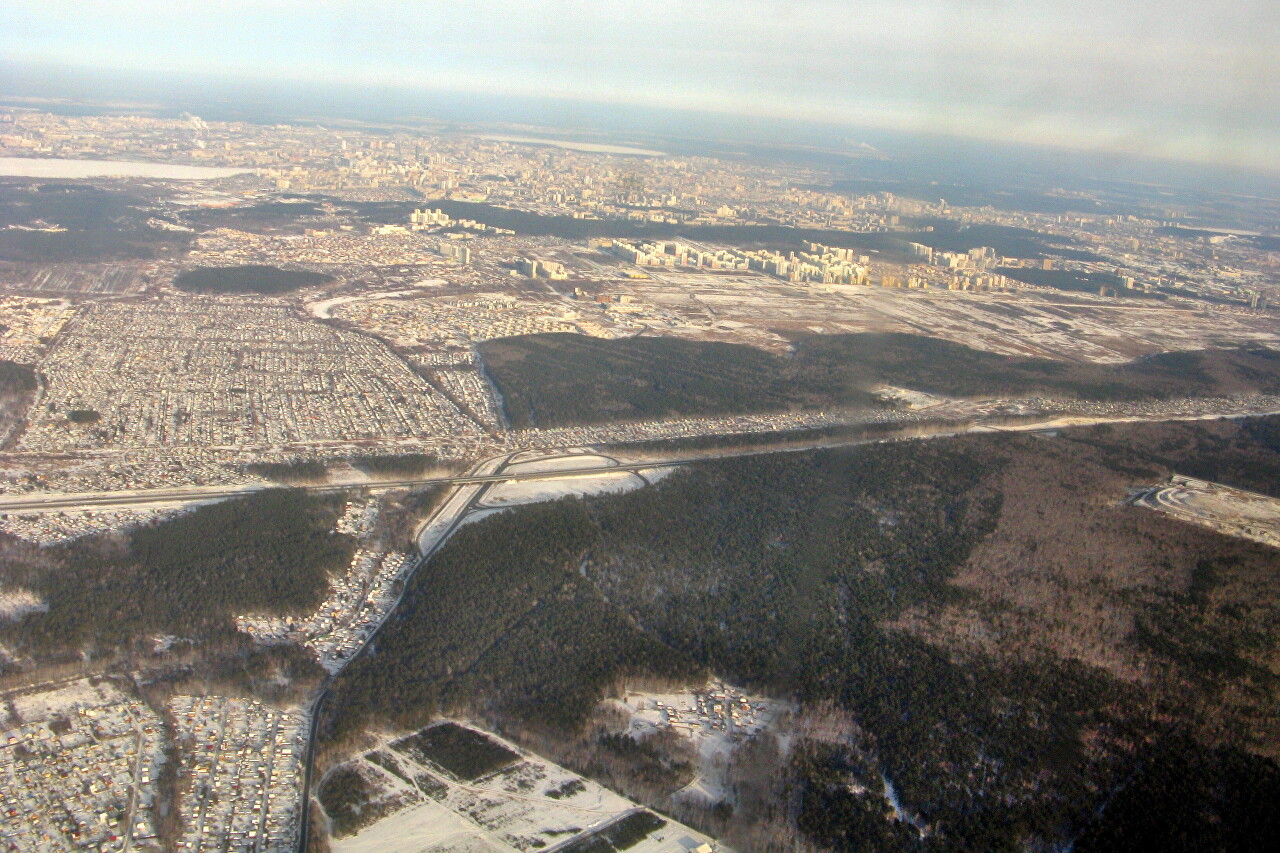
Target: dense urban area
[381,487]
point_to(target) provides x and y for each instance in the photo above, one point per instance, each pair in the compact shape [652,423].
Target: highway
[88,500]
[42,502]
[430,535]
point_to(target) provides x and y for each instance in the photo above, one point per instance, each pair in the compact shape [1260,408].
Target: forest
[462,752]
[251,278]
[294,472]
[561,379]
[17,387]
[187,576]
[101,224]
[1000,633]
[1087,282]
[16,378]
[403,465]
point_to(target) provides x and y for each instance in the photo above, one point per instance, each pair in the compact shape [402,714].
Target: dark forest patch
[271,551]
[463,752]
[251,278]
[563,379]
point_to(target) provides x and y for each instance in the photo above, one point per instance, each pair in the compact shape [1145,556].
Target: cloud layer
[1195,80]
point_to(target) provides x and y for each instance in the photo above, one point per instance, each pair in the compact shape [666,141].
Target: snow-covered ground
[581,485]
[525,463]
[66,699]
[1234,512]
[496,497]
[907,397]
[716,718]
[324,309]
[16,602]
[49,528]
[518,492]
[55,167]
[530,805]
[424,828]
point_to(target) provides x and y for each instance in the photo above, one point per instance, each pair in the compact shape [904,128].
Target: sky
[1179,79]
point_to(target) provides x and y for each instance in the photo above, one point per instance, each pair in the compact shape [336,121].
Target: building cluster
[675,254]
[153,468]
[421,220]
[429,219]
[52,528]
[456,323]
[471,392]
[210,373]
[818,264]
[597,182]
[915,279]
[541,268]
[28,325]
[455,251]
[718,710]
[357,602]
[228,247]
[978,258]
[240,782]
[566,179]
[358,518]
[78,771]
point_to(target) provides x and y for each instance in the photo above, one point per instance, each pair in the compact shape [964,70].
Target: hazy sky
[1174,78]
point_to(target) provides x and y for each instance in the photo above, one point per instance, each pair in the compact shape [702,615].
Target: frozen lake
[36,167]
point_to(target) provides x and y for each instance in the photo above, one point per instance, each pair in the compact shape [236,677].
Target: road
[43,502]
[429,536]
[55,502]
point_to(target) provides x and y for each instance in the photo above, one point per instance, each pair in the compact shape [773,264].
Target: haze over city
[1183,80]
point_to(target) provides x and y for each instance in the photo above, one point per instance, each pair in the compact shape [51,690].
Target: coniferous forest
[187,576]
[561,379]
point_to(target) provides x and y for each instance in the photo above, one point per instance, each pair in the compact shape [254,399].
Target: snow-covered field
[907,397]
[526,463]
[581,485]
[530,805]
[425,828]
[66,699]
[575,146]
[515,493]
[16,602]
[53,167]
